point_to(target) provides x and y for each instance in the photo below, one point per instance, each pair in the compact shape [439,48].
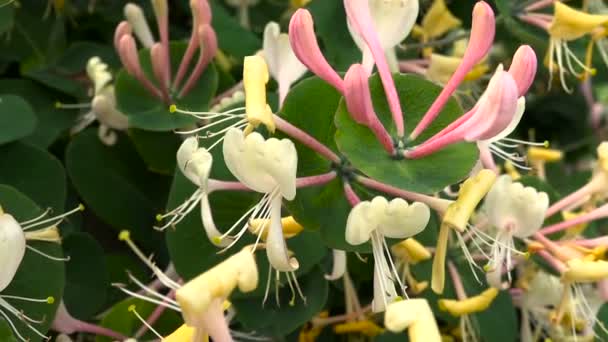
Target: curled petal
[12,248]
[304,44]
[276,249]
[137,20]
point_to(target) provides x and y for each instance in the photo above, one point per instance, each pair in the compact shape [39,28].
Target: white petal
[194,162]
[261,164]
[276,249]
[359,224]
[104,107]
[521,108]
[12,249]
[393,20]
[283,64]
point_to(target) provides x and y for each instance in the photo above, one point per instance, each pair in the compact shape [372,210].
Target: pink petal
[480,42]
[523,68]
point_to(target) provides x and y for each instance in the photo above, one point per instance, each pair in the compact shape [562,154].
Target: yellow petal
[182,334]
[470,305]
[585,271]
[50,234]
[255,77]
[544,154]
[439,20]
[291,227]
[569,23]
[411,250]
[416,316]
[366,327]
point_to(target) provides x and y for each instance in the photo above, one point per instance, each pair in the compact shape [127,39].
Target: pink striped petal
[523,68]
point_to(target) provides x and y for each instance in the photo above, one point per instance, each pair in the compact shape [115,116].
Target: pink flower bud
[523,68]
[306,48]
[122,29]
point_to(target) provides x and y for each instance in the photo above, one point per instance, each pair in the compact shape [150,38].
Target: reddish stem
[305,138]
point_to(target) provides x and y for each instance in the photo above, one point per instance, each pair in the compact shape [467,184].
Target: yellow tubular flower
[437,22]
[547,155]
[471,193]
[366,327]
[255,77]
[470,305]
[576,229]
[456,217]
[291,227]
[416,316]
[585,271]
[511,170]
[570,24]
[195,296]
[411,250]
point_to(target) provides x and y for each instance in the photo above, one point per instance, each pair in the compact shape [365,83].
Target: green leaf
[35,172]
[86,276]
[38,277]
[6,334]
[7,16]
[602,318]
[102,174]
[281,320]
[17,119]
[499,322]
[150,113]
[235,40]
[157,149]
[51,121]
[121,320]
[427,175]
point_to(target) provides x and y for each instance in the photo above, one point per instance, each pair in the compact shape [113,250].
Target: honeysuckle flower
[137,20]
[538,157]
[361,23]
[416,316]
[13,244]
[489,119]
[542,292]
[201,301]
[392,20]
[410,252]
[103,105]
[202,37]
[256,111]
[373,221]
[437,21]
[456,217]
[482,36]
[283,64]
[269,167]
[568,25]
[339,265]
[514,211]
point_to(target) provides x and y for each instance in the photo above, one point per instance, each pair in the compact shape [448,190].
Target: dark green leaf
[17,119]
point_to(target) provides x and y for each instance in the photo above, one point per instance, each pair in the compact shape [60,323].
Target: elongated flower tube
[493,113]
[207,43]
[269,167]
[161,12]
[585,271]
[359,102]
[456,217]
[373,221]
[123,28]
[137,20]
[283,64]
[359,17]
[393,20]
[482,36]
[255,78]
[416,316]
[306,48]
[515,211]
[469,305]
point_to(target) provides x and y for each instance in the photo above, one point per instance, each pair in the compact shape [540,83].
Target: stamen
[48,300]
[46,212]
[267,285]
[179,213]
[47,255]
[132,309]
[57,219]
[147,299]
[240,111]
[150,291]
[22,317]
